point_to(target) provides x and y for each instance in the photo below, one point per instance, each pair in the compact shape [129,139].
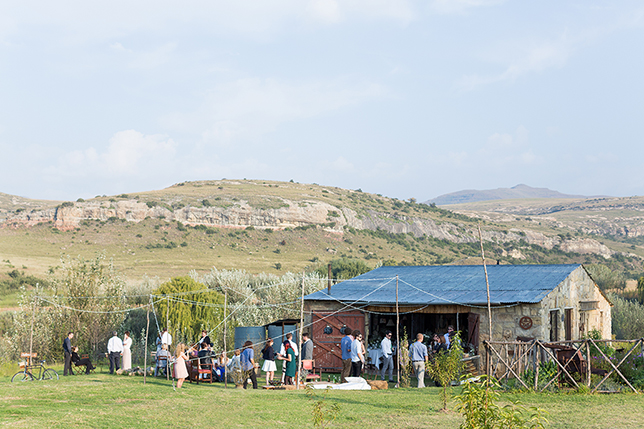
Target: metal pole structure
[487,284]
[225,333]
[397,337]
[299,362]
[145,351]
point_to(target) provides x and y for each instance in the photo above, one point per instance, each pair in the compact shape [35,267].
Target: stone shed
[547,302]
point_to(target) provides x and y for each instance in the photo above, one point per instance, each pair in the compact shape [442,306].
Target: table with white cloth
[375,355]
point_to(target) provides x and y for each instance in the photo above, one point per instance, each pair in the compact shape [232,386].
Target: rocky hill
[516,192]
[184,227]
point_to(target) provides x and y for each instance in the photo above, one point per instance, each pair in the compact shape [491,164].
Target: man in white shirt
[387,357]
[357,357]
[166,338]
[114,352]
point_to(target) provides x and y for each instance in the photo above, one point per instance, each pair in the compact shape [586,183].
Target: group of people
[116,348]
[243,361]
[419,353]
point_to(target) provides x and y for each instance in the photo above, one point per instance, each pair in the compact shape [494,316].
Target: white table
[375,355]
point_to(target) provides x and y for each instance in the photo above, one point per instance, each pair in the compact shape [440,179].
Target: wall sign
[525,322]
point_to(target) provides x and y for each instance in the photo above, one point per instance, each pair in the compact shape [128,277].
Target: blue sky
[402,98]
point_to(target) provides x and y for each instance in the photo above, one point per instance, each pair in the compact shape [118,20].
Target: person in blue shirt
[418,354]
[345,346]
[447,335]
[248,363]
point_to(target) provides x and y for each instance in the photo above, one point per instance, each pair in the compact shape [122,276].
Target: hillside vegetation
[267,226]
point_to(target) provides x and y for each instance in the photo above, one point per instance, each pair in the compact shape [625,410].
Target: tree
[192,308]
[640,289]
[345,268]
[91,300]
[604,277]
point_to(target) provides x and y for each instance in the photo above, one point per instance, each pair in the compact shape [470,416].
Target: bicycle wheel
[50,374]
[22,376]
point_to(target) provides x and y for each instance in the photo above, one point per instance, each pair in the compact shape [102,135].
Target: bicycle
[43,373]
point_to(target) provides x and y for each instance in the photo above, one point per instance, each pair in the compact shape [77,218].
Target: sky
[401,98]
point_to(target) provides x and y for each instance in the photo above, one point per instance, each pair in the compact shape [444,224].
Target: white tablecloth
[375,355]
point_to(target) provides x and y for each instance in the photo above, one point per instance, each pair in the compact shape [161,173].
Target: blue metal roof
[449,284]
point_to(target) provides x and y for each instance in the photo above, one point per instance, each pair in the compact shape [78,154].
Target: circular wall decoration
[525,322]
[328,330]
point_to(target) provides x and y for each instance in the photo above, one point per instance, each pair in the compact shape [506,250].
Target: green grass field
[100,400]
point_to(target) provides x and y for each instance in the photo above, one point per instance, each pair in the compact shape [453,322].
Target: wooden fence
[531,364]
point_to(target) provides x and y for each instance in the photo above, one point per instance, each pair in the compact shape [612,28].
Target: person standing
[307,347]
[345,347]
[269,367]
[127,353]
[67,350]
[247,360]
[290,363]
[448,334]
[289,339]
[114,352]
[419,355]
[180,370]
[387,357]
[166,338]
[357,357]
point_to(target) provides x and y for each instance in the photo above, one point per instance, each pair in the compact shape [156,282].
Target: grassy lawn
[101,400]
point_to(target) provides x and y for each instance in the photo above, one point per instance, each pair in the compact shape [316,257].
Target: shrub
[445,367]
[478,405]
[627,318]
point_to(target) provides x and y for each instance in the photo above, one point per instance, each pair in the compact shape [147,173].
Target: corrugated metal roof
[449,284]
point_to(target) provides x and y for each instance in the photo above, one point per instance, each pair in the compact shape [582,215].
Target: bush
[627,318]
[446,367]
[342,269]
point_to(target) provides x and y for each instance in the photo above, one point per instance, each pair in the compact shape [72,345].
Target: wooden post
[588,363]
[31,335]
[487,283]
[397,336]
[145,355]
[299,362]
[225,334]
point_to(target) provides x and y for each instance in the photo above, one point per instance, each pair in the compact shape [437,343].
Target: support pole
[145,355]
[31,335]
[225,334]
[299,362]
[487,284]
[397,337]
[167,326]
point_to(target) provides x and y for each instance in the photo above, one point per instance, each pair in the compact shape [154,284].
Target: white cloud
[460,6]
[128,154]
[251,107]
[523,59]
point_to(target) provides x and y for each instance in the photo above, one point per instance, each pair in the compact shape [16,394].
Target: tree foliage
[605,278]
[344,268]
[627,318]
[192,307]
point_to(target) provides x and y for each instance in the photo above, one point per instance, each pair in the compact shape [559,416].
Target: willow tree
[192,307]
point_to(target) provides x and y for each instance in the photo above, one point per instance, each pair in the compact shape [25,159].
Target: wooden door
[327,332]
[568,323]
[554,325]
[473,327]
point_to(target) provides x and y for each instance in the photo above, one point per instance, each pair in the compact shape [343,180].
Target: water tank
[256,334]
[275,332]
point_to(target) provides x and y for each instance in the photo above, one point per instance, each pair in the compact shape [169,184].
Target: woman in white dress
[127,354]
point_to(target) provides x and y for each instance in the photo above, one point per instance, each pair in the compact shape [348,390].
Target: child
[269,366]
[180,370]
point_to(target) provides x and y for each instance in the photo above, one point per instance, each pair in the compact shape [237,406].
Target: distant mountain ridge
[516,192]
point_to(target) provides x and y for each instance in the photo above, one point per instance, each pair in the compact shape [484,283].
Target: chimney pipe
[328,287]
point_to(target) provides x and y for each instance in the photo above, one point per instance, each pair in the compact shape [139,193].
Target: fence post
[589,363]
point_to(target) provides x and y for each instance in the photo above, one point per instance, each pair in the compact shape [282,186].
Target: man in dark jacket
[67,350]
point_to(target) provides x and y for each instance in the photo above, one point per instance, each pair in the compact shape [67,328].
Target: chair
[204,370]
[162,363]
[309,365]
